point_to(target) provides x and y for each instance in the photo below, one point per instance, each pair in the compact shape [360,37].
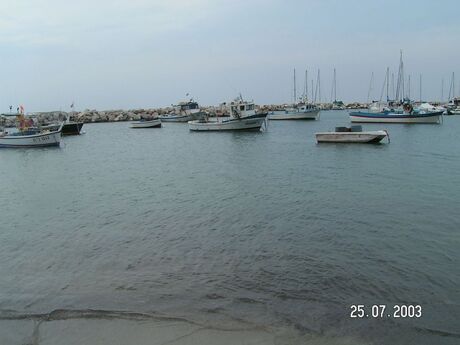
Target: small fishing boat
[353,134]
[155,123]
[27,136]
[72,128]
[68,128]
[243,116]
[184,112]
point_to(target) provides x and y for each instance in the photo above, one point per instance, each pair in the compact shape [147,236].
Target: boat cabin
[242,109]
[190,105]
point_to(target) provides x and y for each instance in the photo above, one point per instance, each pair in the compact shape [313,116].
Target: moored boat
[243,116]
[72,128]
[392,116]
[155,123]
[33,137]
[184,112]
[300,111]
[354,134]
[68,128]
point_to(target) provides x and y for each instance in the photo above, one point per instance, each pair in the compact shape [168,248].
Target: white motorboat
[184,112]
[453,107]
[355,134]
[243,116]
[155,123]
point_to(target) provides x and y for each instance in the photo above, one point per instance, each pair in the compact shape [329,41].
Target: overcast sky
[109,54]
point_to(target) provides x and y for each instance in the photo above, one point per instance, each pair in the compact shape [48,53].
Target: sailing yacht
[300,110]
[405,113]
[336,105]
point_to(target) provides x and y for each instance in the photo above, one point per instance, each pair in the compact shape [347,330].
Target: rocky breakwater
[93,116]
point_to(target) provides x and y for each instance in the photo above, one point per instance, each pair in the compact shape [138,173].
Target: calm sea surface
[269,228]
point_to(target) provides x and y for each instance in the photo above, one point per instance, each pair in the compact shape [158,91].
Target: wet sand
[120,328]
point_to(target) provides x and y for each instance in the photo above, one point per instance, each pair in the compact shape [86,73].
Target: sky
[112,54]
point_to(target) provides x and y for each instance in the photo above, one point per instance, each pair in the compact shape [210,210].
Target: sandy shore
[118,328]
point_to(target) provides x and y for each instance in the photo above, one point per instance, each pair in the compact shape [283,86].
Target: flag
[72,105]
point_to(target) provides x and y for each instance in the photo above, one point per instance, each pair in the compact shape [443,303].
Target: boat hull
[351,137]
[248,123]
[395,118]
[35,140]
[147,124]
[72,128]
[293,115]
[181,118]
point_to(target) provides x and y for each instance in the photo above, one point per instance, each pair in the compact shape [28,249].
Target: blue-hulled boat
[395,116]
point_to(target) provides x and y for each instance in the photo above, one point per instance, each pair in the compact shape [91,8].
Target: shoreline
[116,327]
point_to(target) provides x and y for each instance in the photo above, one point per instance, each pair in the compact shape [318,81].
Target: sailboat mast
[408,86]
[295,91]
[370,87]
[335,86]
[388,82]
[306,84]
[453,85]
[319,84]
[312,88]
[442,89]
[399,90]
[393,84]
[420,88]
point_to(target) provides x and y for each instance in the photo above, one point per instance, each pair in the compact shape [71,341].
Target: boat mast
[319,84]
[318,87]
[408,86]
[295,91]
[442,89]
[306,85]
[335,86]
[453,85]
[392,83]
[400,83]
[370,87]
[388,82]
[312,88]
[420,88]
